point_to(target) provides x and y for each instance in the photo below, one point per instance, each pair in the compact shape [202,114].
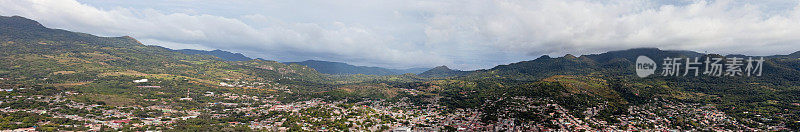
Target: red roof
[120,121]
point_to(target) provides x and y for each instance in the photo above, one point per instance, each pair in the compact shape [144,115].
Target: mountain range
[443,71]
[223,55]
[327,67]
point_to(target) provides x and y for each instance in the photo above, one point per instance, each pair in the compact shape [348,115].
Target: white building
[140,81]
[402,129]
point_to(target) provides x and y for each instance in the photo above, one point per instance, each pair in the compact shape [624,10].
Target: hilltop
[328,67]
[222,55]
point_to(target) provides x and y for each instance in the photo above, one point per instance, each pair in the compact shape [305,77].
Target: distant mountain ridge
[632,54]
[326,67]
[329,67]
[224,55]
[17,27]
[443,71]
[39,52]
[569,64]
[792,55]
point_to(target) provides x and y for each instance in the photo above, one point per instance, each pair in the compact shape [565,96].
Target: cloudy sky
[471,34]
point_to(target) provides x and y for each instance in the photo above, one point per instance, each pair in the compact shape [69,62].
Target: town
[266,113]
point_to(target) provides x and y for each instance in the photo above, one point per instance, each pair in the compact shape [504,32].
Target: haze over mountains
[344,68]
[224,55]
[443,71]
[29,29]
[326,67]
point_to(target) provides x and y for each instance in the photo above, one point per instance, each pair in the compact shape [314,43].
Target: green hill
[34,54]
[581,82]
[443,71]
[223,55]
[328,67]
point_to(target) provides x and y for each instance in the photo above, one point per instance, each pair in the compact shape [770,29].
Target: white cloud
[402,33]
[278,39]
[559,27]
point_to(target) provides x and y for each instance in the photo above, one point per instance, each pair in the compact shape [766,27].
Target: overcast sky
[462,34]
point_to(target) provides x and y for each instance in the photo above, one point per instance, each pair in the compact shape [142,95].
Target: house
[140,81]
[402,129]
[29,129]
[230,104]
[120,121]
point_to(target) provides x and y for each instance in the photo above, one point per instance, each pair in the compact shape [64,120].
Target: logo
[645,66]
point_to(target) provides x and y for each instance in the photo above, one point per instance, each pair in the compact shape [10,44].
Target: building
[402,129]
[140,81]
